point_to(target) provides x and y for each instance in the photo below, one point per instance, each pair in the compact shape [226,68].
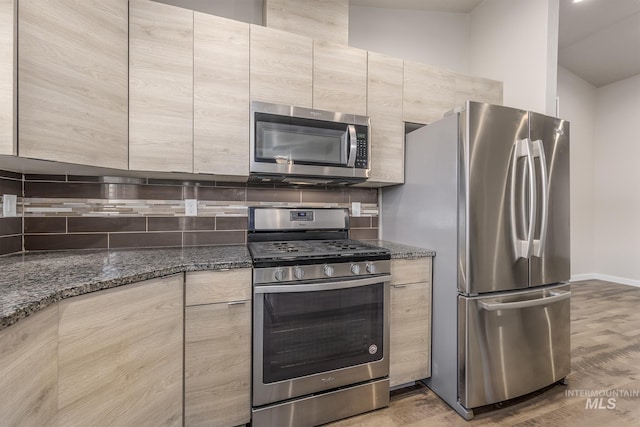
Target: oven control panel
[298,273]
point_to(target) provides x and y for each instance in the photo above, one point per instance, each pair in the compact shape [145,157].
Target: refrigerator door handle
[555,297]
[523,248]
[538,151]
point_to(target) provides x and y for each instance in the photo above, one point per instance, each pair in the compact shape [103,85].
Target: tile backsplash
[85,212]
[10,228]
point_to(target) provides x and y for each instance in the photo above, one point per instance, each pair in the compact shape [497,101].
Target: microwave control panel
[362,153]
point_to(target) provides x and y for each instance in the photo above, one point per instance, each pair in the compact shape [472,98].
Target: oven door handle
[322,286]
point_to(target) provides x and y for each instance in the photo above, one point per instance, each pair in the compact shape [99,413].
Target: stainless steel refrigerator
[488,189]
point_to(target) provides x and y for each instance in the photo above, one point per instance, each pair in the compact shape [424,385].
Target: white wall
[241,10]
[436,38]
[578,106]
[516,41]
[617,188]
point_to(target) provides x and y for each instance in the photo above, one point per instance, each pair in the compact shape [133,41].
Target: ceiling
[599,40]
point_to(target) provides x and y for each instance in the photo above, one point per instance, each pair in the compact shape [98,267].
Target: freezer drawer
[510,344]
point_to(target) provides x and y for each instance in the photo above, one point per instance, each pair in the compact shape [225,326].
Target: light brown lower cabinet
[28,371]
[120,356]
[410,323]
[218,348]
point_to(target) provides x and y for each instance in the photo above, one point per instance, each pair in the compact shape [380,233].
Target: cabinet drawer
[405,271]
[208,287]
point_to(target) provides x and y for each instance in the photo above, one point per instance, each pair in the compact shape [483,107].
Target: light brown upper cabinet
[281,67]
[339,78]
[160,87]
[7,74]
[72,81]
[477,89]
[120,355]
[384,106]
[320,20]
[220,96]
[429,92]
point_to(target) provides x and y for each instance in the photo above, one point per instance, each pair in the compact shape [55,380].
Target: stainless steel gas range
[320,318]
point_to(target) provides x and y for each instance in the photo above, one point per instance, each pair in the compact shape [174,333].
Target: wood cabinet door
[281,67]
[339,78]
[29,370]
[410,333]
[428,92]
[72,81]
[160,87]
[477,89]
[120,355]
[218,364]
[7,76]
[384,106]
[410,324]
[220,96]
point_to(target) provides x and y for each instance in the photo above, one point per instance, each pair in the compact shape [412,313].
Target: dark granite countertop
[30,282]
[399,251]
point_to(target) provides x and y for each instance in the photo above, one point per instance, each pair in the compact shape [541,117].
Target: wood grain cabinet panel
[218,364]
[339,78]
[410,333]
[320,20]
[218,348]
[120,356]
[209,287]
[477,89]
[160,87]
[281,67]
[7,76]
[29,369]
[410,324]
[384,106]
[428,92]
[72,81]
[220,96]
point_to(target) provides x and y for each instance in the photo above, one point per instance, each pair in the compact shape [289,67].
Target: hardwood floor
[605,356]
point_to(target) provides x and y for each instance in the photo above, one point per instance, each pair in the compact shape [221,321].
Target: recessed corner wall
[578,106]
[515,41]
[617,174]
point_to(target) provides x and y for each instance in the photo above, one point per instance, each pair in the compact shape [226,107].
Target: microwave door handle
[353,146]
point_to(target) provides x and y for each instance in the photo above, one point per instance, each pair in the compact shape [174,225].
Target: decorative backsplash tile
[11,227]
[74,212]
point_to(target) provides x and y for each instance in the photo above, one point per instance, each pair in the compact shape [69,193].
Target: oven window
[310,332]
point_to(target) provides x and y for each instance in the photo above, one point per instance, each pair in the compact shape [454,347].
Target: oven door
[310,337]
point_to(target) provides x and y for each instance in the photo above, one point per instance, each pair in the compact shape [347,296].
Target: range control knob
[371,268]
[279,274]
[355,268]
[298,273]
[328,270]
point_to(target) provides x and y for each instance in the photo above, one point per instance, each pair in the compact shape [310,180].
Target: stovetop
[314,250]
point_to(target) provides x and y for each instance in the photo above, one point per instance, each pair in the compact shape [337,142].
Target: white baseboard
[606,278]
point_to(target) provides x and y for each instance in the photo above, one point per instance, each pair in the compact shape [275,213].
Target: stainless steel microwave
[308,146]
